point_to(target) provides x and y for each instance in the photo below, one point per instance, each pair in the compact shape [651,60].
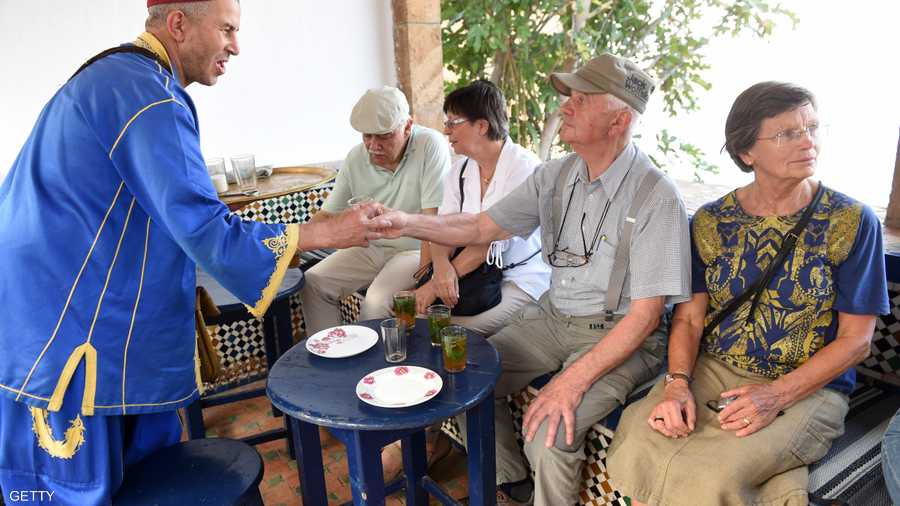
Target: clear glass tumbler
[394,336]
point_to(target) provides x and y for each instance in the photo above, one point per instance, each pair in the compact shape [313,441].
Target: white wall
[286,97]
[846,54]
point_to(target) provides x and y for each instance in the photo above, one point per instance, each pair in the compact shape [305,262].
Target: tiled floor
[280,485]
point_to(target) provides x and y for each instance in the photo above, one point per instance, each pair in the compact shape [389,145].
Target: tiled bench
[850,473]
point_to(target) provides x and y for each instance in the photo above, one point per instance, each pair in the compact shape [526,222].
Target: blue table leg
[415,465]
[289,436]
[482,457]
[309,462]
[364,461]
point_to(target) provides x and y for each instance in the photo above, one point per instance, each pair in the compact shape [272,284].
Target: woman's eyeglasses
[450,123]
[792,135]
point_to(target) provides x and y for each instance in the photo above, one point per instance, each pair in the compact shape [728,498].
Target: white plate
[341,341]
[399,386]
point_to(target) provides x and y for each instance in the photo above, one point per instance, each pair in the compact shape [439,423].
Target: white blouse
[513,168]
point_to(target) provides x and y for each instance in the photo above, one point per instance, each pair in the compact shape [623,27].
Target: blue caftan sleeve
[158,157]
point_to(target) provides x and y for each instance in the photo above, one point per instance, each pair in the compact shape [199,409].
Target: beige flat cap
[379,111]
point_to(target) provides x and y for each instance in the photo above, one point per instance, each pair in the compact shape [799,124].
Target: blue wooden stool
[201,471]
[278,335]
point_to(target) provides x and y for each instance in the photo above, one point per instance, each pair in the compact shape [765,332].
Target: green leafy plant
[518,43]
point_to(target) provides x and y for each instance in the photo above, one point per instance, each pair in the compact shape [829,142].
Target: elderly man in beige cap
[400,165]
[615,232]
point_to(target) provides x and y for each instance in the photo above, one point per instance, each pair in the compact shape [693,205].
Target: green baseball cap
[608,74]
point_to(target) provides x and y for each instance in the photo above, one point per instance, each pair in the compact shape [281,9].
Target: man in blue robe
[104,216]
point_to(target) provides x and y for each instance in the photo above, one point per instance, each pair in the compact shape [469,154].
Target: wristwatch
[672,376]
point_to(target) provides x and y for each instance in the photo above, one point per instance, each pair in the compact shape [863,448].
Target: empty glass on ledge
[244,168]
[215,167]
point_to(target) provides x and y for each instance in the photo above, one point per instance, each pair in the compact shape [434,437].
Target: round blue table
[315,391]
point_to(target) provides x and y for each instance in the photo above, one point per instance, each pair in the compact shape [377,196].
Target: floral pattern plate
[342,341]
[399,386]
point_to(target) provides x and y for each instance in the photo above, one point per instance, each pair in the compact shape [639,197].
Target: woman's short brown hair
[758,102]
[481,99]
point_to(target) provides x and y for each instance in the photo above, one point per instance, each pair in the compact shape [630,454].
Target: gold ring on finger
[746,421]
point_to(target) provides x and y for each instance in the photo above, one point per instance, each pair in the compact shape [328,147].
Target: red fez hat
[151,3]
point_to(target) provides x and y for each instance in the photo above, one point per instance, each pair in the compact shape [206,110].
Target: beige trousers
[542,341]
[714,467]
[384,270]
[490,321]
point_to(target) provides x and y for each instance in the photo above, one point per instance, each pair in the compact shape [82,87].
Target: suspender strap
[123,49]
[623,250]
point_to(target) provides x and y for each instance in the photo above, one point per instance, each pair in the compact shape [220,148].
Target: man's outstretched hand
[357,226]
[396,222]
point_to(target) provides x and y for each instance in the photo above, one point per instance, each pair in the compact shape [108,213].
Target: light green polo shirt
[415,185]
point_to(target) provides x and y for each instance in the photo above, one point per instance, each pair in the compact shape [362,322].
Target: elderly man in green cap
[615,232]
[399,164]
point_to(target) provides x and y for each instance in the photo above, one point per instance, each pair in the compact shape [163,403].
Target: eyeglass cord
[594,241]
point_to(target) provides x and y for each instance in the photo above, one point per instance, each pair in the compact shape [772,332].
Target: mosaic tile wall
[884,362]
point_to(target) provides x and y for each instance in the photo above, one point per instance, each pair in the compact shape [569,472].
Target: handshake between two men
[371,221]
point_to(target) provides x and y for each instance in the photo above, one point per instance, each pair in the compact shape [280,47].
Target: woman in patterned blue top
[781,365]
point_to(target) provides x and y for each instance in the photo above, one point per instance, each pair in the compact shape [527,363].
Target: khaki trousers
[713,466]
[541,341]
[384,270]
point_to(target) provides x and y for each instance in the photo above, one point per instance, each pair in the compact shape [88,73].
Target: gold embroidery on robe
[283,247]
[65,449]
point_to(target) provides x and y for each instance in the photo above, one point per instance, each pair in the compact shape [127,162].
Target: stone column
[892,219]
[420,59]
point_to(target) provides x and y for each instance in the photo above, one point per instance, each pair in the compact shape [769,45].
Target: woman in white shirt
[492,165]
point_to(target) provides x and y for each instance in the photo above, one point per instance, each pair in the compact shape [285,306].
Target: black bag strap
[462,198]
[426,270]
[462,194]
[756,290]
[124,49]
